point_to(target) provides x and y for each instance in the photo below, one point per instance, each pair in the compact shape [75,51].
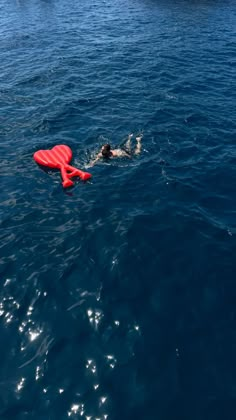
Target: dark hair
[106,150]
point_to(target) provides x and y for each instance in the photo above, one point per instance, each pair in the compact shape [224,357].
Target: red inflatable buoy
[59,157]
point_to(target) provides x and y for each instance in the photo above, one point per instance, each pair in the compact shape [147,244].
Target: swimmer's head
[106,150]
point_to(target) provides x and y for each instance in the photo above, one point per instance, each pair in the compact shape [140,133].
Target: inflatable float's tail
[68,172]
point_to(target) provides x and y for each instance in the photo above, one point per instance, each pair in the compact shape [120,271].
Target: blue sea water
[118,297]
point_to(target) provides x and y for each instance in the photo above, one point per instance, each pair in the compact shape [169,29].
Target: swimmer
[107,153]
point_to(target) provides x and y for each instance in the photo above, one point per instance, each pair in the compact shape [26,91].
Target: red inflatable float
[58,158]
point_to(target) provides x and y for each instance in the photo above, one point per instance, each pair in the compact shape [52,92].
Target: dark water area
[118,296]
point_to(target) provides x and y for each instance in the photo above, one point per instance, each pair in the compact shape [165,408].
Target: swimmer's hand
[92,163]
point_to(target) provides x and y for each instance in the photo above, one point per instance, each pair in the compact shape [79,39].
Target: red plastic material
[59,157]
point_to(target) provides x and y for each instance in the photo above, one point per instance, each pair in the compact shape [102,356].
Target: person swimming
[107,152]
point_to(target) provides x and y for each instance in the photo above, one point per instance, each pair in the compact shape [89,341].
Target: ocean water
[118,296]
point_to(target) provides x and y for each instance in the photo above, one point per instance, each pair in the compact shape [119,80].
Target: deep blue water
[118,297]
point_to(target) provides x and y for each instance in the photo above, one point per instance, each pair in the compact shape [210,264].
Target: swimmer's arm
[99,156]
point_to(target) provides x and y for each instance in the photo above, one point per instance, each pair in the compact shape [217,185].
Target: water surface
[117,298]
